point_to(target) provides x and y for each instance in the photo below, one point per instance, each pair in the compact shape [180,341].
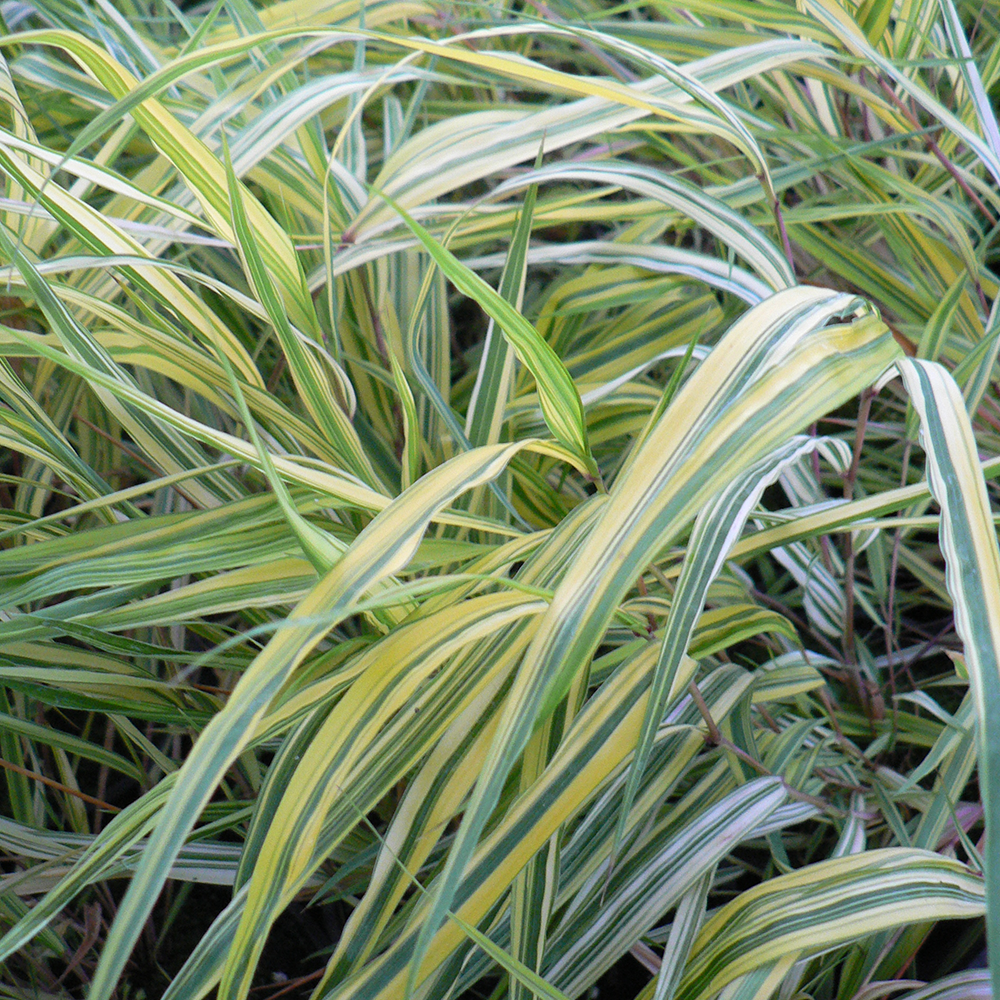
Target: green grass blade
[969,541]
[558,395]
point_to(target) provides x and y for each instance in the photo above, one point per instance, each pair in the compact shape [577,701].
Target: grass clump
[495,489]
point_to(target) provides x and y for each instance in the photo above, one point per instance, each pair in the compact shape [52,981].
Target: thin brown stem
[643,592]
[275,377]
[824,540]
[121,446]
[292,984]
[91,935]
[786,243]
[934,148]
[102,774]
[821,639]
[622,72]
[380,341]
[864,410]
[715,737]
[58,785]
[890,611]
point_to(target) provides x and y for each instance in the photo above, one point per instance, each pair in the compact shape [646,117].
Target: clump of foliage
[513,479]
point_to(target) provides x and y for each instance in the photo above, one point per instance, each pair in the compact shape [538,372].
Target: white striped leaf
[969,543]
